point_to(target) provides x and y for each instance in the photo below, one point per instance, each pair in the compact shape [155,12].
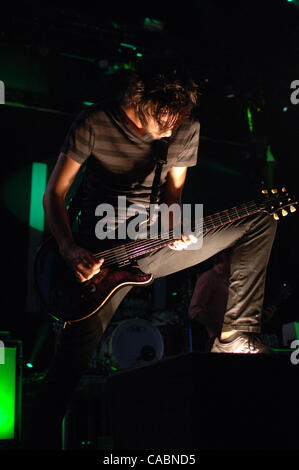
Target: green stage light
[153,25]
[38,186]
[130,46]
[249,118]
[8,394]
[269,156]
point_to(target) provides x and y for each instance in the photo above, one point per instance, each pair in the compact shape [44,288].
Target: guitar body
[67,299]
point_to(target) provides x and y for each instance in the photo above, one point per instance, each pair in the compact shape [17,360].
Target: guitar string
[136,243]
[156,243]
[142,246]
[152,244]
[135,253]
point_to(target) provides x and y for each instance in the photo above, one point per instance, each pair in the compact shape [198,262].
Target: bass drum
[132,343]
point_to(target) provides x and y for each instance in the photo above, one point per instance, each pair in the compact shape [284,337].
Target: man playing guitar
[115,144]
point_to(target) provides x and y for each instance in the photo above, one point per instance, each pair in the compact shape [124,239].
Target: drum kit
[131,343]
[145,330]
[136,342]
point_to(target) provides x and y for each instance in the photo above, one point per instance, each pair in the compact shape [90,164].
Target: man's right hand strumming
[82,261]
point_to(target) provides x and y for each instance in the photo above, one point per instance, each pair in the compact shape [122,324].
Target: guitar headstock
[277,201]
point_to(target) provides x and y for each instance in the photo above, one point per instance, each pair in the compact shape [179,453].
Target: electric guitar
[68,300]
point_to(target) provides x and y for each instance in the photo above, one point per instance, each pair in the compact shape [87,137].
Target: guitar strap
[160,149]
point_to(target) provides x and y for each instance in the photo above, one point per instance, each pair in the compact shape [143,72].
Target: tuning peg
[274,191]
[276,217]
[284,212]
[283,190]
[292,209]
[264,191]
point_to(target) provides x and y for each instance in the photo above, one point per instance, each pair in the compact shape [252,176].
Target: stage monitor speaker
[207,402]
[10,392]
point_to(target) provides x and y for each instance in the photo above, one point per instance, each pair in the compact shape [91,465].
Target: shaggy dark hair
[163,90]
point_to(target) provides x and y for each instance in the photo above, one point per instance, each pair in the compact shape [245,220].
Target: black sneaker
[244,343]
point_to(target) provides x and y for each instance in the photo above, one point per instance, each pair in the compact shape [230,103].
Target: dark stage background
[57,57]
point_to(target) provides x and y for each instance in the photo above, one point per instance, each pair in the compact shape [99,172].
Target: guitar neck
[229,215]
[125,253]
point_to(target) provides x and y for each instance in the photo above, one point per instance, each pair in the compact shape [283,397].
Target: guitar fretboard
[125,253]
[229,215]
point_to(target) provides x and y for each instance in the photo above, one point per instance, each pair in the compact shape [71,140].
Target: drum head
[136,342]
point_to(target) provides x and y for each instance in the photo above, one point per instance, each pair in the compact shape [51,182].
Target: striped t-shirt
[119,160]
